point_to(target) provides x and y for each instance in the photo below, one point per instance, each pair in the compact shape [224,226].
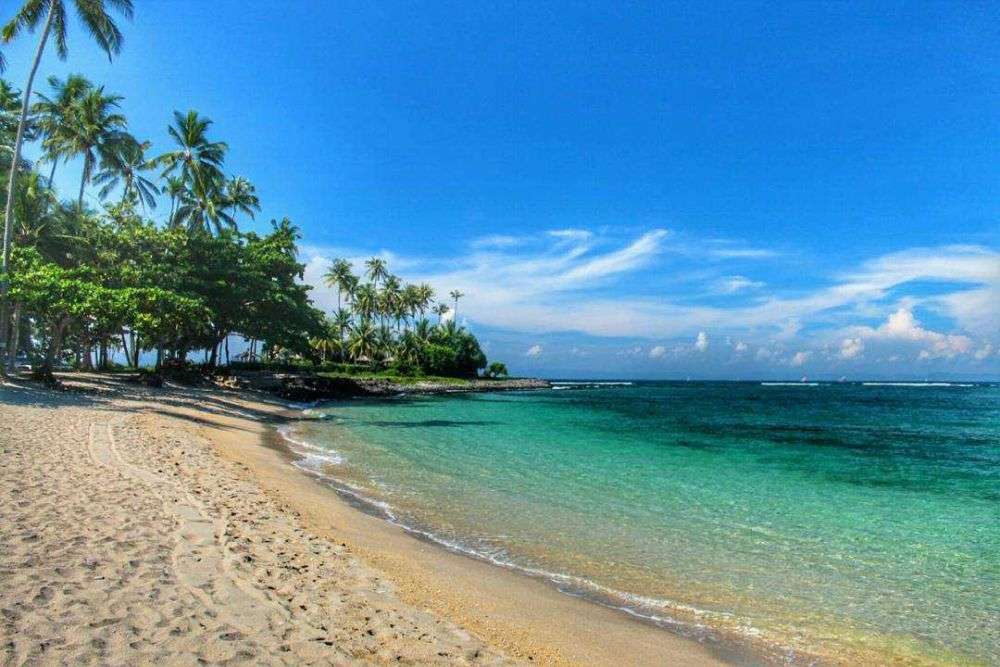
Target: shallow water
[832,519]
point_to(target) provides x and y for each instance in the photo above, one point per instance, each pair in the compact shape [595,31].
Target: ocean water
[854,522]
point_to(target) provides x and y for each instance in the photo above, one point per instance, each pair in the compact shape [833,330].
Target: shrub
[496,369]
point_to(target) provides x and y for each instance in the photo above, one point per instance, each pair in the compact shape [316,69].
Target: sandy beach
[166,525]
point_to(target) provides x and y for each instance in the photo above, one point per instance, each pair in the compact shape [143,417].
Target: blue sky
[642,190]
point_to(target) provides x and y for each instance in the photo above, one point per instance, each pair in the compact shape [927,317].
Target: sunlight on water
[843,520]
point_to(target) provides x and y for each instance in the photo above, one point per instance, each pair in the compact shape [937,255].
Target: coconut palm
[339,276]
[241,195]
[202,206]
[456,295]
[361,344]
[95,131]
[441,310]
[366,300]
[173,188]
[124,166]
[390,297]
[102,28]
[53,116]
[326,346]
[195,156]
[377,269]
[341,324]
[425,295]
[10,106]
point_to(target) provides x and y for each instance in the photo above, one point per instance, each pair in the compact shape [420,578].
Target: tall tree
[196,157]
[124,165]
[102,28]
[456,295]
[338,276]
[202,205]
[96,132]
[377,269]
[241,196]
[54,115]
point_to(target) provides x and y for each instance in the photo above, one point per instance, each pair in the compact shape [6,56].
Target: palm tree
[195,155]
[241,195]
[390,296]
[54,116]
[124,166]
[10,106]
[96,132]
[339,276]
[340,324]
[366,300]
[377,269]
[202,206]
[440,310]
[456,295]
[94,15]
[426,294]
[362,342]
[174,188]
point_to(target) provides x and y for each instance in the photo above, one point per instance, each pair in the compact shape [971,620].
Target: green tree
[123,166]
[241,196]
[339,276]
[54,116]
[51,15]
[195,157]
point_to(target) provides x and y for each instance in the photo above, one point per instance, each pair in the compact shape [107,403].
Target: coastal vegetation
[87,285]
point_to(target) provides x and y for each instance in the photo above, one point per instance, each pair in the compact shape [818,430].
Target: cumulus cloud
[657,352]
[851,348]
[901,325]
[701,342]
[985,351]
[800,358]
[534,351]
[740,346]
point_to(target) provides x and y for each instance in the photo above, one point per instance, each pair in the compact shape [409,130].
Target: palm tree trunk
[128,357]
[15,330]
[52,173]
[83,181]
[16,159]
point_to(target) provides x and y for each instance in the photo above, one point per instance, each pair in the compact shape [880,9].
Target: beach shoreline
[419,602]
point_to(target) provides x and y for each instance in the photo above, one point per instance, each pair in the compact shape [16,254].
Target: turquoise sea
[857,522]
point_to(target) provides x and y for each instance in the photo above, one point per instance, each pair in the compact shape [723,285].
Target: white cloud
[800,358]
[851,348]
[740,346]
[701,342]
[734,284]
[983,352]
[534,351]
[903,326]
[497,241]
[657,352]
[571,234]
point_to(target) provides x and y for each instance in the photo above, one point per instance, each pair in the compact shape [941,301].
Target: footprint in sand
[199,558]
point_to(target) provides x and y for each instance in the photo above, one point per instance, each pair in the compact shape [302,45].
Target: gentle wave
[789,384]
[916,384]
[556,384]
